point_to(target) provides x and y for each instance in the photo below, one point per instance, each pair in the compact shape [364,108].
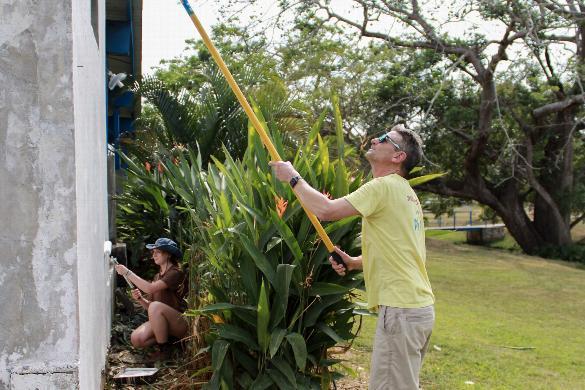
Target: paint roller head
[107,248]
[116,80]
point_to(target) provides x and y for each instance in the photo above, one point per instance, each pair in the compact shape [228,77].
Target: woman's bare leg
[165,321]
[143,336]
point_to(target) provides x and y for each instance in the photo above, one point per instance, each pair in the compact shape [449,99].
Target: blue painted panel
[126,99]
[119,38]
[118,126]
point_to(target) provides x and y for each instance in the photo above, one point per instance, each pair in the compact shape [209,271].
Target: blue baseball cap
[167,245]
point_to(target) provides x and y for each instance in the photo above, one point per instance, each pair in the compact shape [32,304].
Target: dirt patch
[356,369]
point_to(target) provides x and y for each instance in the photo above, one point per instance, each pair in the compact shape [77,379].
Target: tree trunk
[557,179]
[511,209]
[505,202]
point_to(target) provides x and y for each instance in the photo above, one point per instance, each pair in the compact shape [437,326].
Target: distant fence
[459,218]
[478,231]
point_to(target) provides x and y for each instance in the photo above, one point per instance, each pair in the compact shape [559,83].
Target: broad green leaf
[215,307]
[261,261]
[243,358]
[329,332]
[330,362]
[338,128]
[272,243]
[364,312]
[317,306]
[262,382]
[275,340]
[218,352]
[285,369]
[279,379]
[159,198]
[324,159]
[235,333]
[341,185]
[263,318]
[415,170]
[280,302]
[423,179]
[334,226]
[315,129]
[248,274]
[287,235]
[324,288]
[244,380]
[227,375]
[299,347]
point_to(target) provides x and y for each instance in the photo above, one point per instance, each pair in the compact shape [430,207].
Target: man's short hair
[411,144]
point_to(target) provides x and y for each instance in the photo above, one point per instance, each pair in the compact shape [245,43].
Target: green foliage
[264,253]
[266,273]
[206,118]
[574,252]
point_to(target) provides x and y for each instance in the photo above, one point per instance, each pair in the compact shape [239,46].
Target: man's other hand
[347,259]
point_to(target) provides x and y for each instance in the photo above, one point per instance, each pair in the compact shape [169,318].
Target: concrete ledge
[485,235]
[44,377]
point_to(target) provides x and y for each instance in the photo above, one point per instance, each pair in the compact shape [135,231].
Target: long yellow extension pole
[252,116]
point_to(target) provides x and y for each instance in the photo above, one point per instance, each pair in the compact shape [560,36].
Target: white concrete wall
[89,96]
[54,293]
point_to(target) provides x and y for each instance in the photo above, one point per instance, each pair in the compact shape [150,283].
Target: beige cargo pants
[402,338]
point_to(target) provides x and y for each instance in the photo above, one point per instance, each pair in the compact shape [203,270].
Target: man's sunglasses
[386,138]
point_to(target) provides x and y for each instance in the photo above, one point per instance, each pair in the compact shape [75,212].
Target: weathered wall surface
[52,223]
[38,279]
[91,191]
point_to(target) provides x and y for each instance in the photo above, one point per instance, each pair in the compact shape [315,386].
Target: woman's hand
[137,295]
[347,259]
[121,269]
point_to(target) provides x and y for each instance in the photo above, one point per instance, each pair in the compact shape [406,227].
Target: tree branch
[555,107]
[503,45]
[558,38]
[453,188]
[414,20]
[463,135]
[576,221]
[559,9]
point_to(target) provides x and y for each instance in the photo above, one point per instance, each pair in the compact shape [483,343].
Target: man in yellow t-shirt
[393,254]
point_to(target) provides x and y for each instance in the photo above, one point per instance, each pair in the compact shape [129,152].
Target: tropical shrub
[276,304]
[206,118]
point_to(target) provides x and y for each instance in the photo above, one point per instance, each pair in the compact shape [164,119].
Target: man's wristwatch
[293,182]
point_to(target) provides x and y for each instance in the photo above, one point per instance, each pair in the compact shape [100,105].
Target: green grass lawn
[490,302]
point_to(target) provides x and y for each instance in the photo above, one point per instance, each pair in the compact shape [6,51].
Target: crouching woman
[165,303]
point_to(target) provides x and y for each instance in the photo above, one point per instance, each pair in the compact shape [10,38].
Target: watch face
[294,181]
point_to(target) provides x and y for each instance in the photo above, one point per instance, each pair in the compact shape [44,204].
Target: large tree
[501,110]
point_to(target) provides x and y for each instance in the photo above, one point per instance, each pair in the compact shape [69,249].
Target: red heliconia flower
[147,166]
[160,167]
[280,205]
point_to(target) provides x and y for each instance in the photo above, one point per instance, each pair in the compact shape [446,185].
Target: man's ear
[399,157]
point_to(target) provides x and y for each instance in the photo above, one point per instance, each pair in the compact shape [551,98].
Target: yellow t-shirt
[393,243]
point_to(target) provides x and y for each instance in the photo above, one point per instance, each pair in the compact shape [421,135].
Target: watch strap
[293,182]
